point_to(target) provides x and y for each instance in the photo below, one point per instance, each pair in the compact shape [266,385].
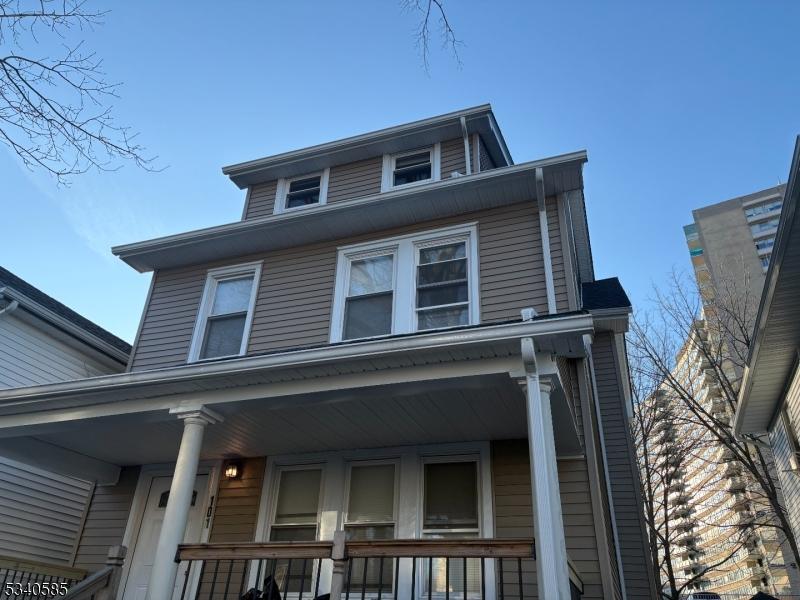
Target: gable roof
[51,310]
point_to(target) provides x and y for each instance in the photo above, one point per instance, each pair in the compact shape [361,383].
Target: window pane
[443,271]
[443,317]
[298,497]
[232,295]
[443,294]
[415,167]
[371,275]
[451,496]
[413,160]
[296,199]
[367,316]
[371,493]
[299,185]
[368,572]
[441,253]
[223,336]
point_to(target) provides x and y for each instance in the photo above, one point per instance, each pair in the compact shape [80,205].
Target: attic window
[301,192]
[410,168]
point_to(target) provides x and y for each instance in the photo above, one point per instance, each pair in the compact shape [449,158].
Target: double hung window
[410,168]
[226,311]
[302,192]
[412,283]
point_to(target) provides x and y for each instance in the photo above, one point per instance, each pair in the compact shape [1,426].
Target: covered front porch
[374,464]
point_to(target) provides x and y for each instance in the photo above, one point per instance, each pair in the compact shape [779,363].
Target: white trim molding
[389,161]
[405,252]
[284,184]
[213,278]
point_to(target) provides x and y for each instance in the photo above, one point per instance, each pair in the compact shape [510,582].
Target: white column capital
[199,415]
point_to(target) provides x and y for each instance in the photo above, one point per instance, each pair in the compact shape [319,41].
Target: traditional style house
[396,375]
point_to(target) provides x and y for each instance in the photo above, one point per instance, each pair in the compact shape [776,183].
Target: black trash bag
[271,591]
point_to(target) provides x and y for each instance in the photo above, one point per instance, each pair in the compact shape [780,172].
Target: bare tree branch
[55,112]
[433,10]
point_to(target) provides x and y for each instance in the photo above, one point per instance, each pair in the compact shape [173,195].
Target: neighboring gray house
[769,400]
[42,341]
[396,375]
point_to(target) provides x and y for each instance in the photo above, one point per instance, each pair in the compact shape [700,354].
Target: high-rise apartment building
[732,240]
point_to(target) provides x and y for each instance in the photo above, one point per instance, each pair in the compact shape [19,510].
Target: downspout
[465,136]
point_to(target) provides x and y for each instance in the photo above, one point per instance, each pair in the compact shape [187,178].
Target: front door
[145,545]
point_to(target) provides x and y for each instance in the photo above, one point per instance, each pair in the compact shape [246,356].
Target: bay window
[411,283]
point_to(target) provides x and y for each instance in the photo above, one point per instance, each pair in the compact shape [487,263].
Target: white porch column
[162,578]
[552,572]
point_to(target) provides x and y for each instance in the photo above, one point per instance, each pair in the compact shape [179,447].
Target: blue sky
[679,105]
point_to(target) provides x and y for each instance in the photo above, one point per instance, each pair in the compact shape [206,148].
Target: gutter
[21,300]
[579,324]
[127,251]
[10,307]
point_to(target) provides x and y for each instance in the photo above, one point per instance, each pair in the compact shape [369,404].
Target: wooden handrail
[461,548]
[88,588]
[31,566]
[253,550]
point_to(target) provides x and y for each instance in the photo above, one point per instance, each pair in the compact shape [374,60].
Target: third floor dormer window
[411,168]
[301,192]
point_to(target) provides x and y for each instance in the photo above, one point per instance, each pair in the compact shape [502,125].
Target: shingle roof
[604,293]
[8,279]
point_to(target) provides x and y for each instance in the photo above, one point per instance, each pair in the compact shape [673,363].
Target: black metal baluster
[465,578]
[364,580]
[319,572]
[446,578]
[214,579]
[430,577]
[396,574]
[244,577]
[413,577]
[380,577]
[502,587]
[8,571]
[228,580]
[272,584]
[483,578]
[349,574]
[200,580]
[303,578]
[258,572]
[519,576]
[186,580]
[288,576]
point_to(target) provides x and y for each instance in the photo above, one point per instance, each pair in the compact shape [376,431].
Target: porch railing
[30,579]
[434,569]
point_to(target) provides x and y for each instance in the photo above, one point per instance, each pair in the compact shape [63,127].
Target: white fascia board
[130,252]
[77,393]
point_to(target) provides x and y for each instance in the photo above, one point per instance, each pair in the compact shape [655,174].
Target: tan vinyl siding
[514,513]
[783,446]
[235,517]
[627,498]
[557,256]
[354,180]
[106,520]
[293,307]
[453,158]
[486,160]
[41,513]
[261,200]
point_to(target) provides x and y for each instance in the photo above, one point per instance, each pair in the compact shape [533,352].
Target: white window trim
[213,277]
[389,161]
[275,490]
[405,249]
[283,189]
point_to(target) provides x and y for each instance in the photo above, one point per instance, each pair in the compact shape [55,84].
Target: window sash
[352,299]
[311,189]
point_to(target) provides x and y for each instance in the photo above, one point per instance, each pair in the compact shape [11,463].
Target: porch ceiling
[463,409]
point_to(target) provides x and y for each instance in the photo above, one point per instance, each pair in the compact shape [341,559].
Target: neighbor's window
[371,516]
[225,312]
[370,294]
[301,192]
[412,283]
[450,510]
[295,519]
[407,168]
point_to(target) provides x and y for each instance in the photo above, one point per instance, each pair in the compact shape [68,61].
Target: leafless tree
[432,11]
[712,327]
[56,111]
